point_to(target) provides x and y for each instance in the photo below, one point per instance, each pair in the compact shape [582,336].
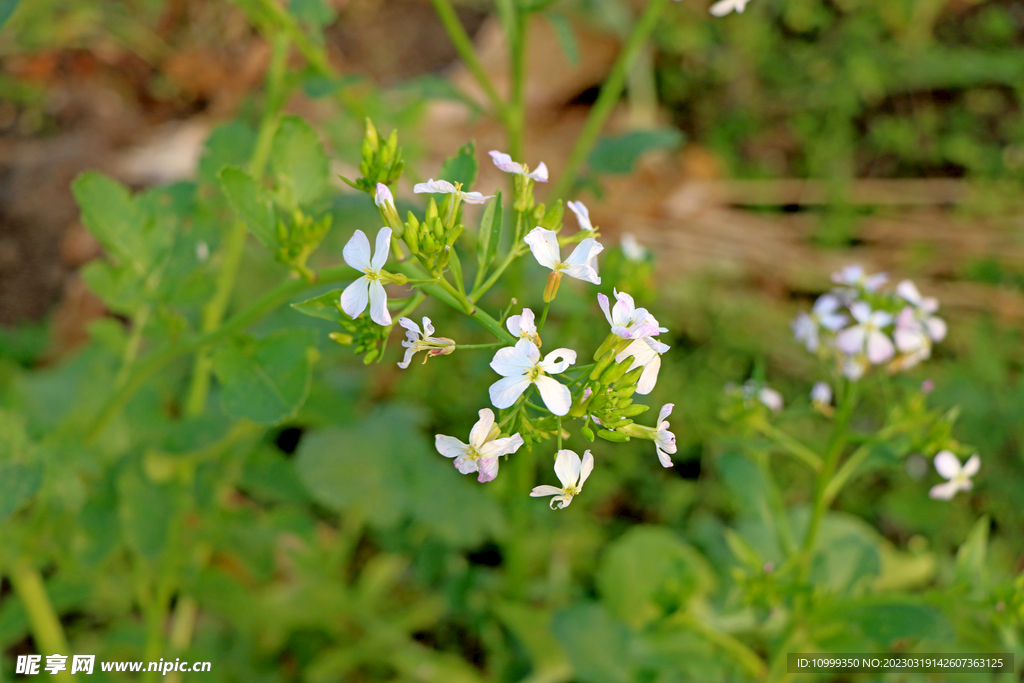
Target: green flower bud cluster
[381,163]
[365,336]
[432,238]
[609,402]
[298,238]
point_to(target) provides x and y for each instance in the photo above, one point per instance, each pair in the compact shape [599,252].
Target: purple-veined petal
[383,196]
[507,390]
[556,395]
[602,301]
[357,251]
[540,174]
[544,245]
[665,411]
[504,162]
[488,469]
[663,457]
[434,186]
[476,197]
[355,297]
[379,304]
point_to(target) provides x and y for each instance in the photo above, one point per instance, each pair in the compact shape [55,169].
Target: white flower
[723,7]
[520,366]
[646,352]
[523,326]
[583,218]
[631,248]
[627,321]
[867,335]
[948,465]
[572,472]
[912,339]
[544,245]
[504,162]
[924,310]
[821,393]
[444,187]
[854,276]
[383,197]
[664,440]
[483,450]
[357,255]
[854,367]
[417,341]
[823,315]
[770,398]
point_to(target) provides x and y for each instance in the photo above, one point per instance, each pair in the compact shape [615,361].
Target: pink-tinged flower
[417,340]
[571,472]
[646,353]
[867,335]
[544,245]
[444,187]
[520,366]
[723,7]
[664,440]
[912,340]
[823,314]
[504,163]
[854,276]
[627,321]
[959,476]
[367,288]
[484,449]
[383,197]
[924,309]
[523,326]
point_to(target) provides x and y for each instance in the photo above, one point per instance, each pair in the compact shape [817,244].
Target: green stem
[791,445]
[543,316]
[47,631]
[131,349]
[480,346]
[743,655]
[464,46]
[606,100]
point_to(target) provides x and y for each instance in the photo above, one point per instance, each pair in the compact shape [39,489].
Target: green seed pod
[630,378]
[634,410]
[605,347]
[612,436]
[587,433]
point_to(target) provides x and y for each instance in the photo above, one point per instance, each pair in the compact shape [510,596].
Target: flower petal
[602,301]
[540,174]
[507,390]
[586,272]
[434,186]
[567,467]
[449,446]
[382,250]
[488,469]
[552,366]
[944,491]
[544,245]
[586,467]
[357,251]
[515,361]
[666,410]
[383,196]
[851,340]
[466,465]
[972,465]
[478,435]
[664,458]
[879,347]
[475,197]
[649,377]
[947,464]
[584,251]
[355,296]
[582,215]
[545,490]
[557,396]
[379,304]
[504,162]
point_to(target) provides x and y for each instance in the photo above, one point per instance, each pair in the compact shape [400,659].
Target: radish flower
[867,335]
[368,288]
[924,310]
[959,476]
[520,366]
[523,326]
[444,187]
[807,326]
[646,353]
[504,163]
[571,472]
[631,248]
[417,340]
[854,276]
[484,449]
[821,393]
[664,440]
[627,321]
[723,7]
[544,245]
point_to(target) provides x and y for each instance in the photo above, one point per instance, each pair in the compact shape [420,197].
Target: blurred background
[751,156]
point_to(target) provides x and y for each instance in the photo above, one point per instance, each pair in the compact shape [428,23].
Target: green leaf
[970,558]
[313,12]
[316,85]
[597,646]
[147,510]
[490,232]
[299,161]
[648,573]
[118,286]
[269,476]
[745,481]
[566,37]
[461,168]
[619,154]
[252,203]
[884,621]
[230,144]
[18,483]
[532,627]
[327,306]
[113,217]
[266,381]
[7,8]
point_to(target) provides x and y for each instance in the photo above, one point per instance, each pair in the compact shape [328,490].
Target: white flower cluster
[858,325]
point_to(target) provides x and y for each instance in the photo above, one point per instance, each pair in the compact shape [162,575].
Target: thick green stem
[464,46]
[606,100]
[46,628]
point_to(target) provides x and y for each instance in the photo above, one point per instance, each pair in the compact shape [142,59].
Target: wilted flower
[544,245]
[483,450]
[664,440]
[368,287]
[646,353]
[867,335]
[417,341]
[823,314]
[523,326]
[572,472]
[627,321]
[444,187]
[959,476]
[504,162]
[631,248]
[723,7]
[520,366]
[854,276]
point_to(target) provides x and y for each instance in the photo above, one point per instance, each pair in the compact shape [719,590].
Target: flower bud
[552,219]
[587,433]
[615,437]
[614,372]
[630,378]
[634,410]
[341,338]
[554,279]
[411,234]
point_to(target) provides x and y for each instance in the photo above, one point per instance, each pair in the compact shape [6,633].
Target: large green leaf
[461,168]
[970,558]
[299,161]
[114,218]
[619,154]
[253,204]
[147,511]
[230,144]
[597,645]
[886,620]
[327,306]
[266,381]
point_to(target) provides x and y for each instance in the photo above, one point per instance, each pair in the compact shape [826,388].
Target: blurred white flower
[723,7]
[202,251]
[627,321]
[823,314]
[368,287]
[544,245]
[523,326]
[770,398]
[924,310]
[821,393]
[912,339]
[444,187]
[520,366]
[959,476]
[417,340]
[504,162]
[484,449]
[854,367]
[664,440]
[646,353]
[571,472]
[867,335]
[854,276]
[631,248]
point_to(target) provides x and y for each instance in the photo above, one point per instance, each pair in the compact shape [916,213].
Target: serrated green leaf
[327,306]
[490,232]
[230,144]
[299,161]
[619,154]
[114,218]
[461,168]
[253,204]
[266,381]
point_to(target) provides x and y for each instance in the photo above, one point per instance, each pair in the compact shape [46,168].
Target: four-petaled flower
[627,321]
[504,162]
[823,315]
[646,353]
[520,366]
[483,450]
[416,341]
[523,326]
[444,187]
[664,440]
[959,476]
[723,7]
[867,335]
[572,472]
[544,245]
[368,287]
